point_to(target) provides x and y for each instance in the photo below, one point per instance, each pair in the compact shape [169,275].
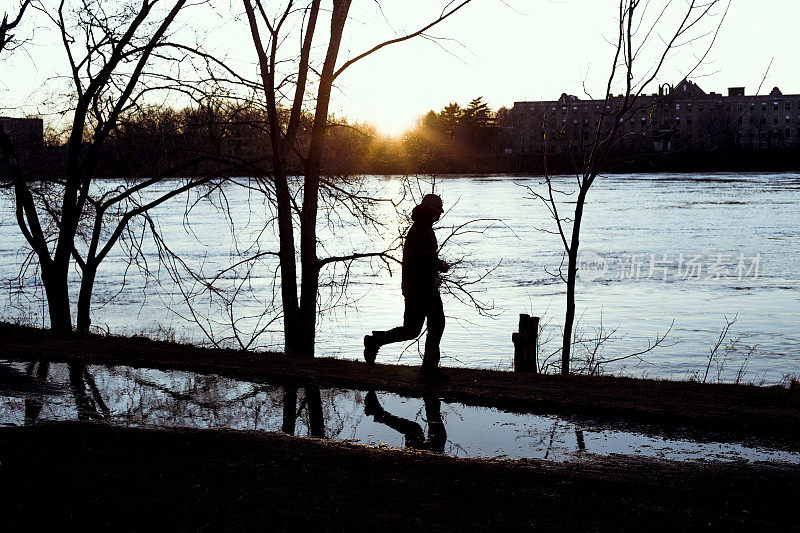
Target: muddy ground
[78,475]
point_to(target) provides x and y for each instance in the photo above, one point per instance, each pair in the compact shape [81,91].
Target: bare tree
[112,53]
[7,39]
[269,33]
[639,24]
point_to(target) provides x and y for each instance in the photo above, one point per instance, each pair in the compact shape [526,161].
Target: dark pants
[418,308]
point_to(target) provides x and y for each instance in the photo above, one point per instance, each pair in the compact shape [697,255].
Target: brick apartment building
[676,118]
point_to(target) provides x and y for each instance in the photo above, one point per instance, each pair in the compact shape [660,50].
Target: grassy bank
[743,410]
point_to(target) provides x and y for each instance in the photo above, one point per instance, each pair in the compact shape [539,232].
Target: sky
[502,50]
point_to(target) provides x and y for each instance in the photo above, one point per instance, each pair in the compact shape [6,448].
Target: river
[689,252]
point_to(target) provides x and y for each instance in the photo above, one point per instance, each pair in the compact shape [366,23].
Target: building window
[700,107]
[752,106]
[788,119]
[738,106]
[788,105]
[788,133]
[775,105]
[688,107]
[763,106]
[774,120]
[677,107]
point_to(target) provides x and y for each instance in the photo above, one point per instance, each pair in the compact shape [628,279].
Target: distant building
[675,118]
[27,134]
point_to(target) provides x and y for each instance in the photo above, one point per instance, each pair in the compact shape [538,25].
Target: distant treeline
[231,139]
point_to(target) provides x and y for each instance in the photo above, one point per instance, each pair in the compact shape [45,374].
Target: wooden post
[525,344]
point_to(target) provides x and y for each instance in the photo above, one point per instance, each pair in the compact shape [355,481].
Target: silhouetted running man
[420,285]
[414,437]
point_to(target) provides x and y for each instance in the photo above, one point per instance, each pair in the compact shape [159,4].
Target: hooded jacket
[421,262]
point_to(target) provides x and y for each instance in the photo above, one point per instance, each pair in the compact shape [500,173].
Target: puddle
[120,395]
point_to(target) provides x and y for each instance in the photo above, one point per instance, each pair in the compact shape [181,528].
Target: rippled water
[688,248]
[126,396]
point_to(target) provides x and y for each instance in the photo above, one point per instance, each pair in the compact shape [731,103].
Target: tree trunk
[569,316]
[85,299]
[56,289]
[309,288]
[309,283]
[288,266]
[572,271]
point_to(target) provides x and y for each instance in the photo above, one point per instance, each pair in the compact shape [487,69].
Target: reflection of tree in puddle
[553,442]
[33,406]
[182,399]
[88,401]
[310,407]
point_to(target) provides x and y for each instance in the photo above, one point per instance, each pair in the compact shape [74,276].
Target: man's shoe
[370,349]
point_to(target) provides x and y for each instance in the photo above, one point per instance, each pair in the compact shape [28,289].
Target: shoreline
[738,411]
[156,478]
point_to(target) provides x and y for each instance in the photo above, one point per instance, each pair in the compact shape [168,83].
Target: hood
[422,214]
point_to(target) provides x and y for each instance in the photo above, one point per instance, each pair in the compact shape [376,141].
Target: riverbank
[125,478]
[770,414]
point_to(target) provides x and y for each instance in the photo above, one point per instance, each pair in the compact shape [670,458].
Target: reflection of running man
[420,284]
[412,431]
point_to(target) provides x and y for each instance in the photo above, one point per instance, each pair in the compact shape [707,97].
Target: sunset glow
[503,51]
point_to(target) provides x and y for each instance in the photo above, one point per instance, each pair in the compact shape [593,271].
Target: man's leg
[413,318]
[437,436]
[435,315]
[412,431]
